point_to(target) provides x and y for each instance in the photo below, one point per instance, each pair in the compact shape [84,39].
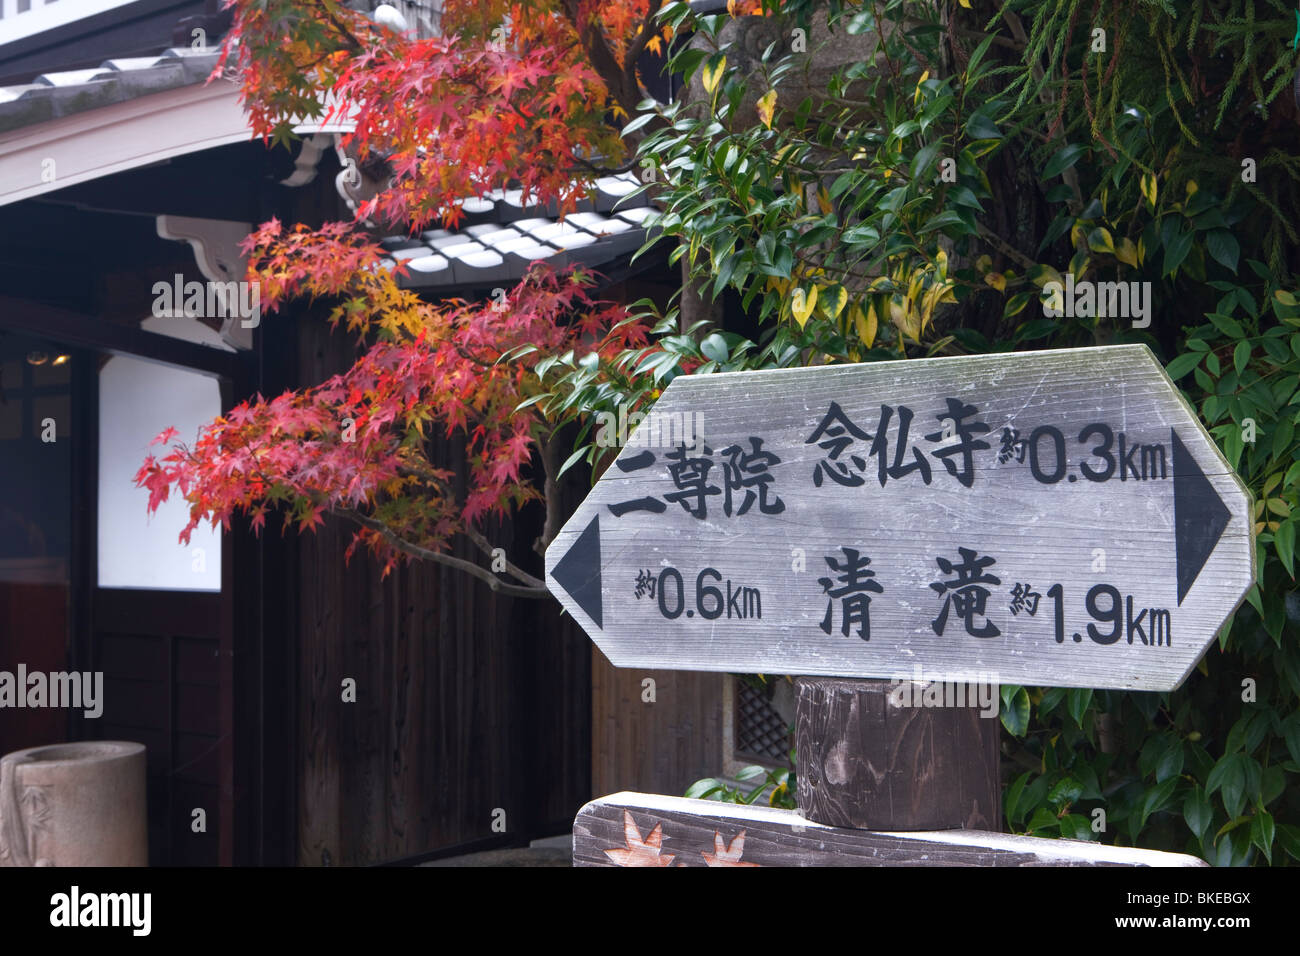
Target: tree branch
[519,574]
[603,61]
[550,495]
[1005,247]
[406,547]
[636,48]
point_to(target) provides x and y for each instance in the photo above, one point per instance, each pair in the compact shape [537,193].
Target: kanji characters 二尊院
[744,470]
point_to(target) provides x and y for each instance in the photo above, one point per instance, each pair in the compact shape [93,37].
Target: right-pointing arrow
[1199,516]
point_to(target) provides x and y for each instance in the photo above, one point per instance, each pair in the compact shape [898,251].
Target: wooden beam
[82,331]
[642,829]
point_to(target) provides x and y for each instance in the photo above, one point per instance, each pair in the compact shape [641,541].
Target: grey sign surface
[1055,518]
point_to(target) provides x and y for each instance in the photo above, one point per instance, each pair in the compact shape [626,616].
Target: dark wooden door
[160,652]
[160,647]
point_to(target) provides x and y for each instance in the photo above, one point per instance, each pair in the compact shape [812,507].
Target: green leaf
[1065,792]
[1273,784]
[1247,302]
[925,158]
[1014,711]
[533,400]
[943,221]
[638,122]
[1223,246]
[1288,838]
[704,789]
[1051,699]
[1176,251]
[572,460]
[978,55]
[1091,785]
[1012,800]
[1291,733]
[1077,701]
[1284,542]
[1043,819]
[1225,768]
[784,260]
[1016,304]
[1230,826]
[1076,827]
[1036,329]
[1262,831]
[1170,764]
[1241,356]
[980,126]
[1066,157]
[1227,325]
[1229,777]
[1156,798]
[1197,812]
[963,196]
[714,347]
[1099,240]
[1183,364]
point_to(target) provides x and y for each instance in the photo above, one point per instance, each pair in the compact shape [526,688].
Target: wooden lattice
[761,733]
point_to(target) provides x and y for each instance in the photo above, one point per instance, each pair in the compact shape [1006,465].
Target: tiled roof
[52,95]
[497,241]
[500,238]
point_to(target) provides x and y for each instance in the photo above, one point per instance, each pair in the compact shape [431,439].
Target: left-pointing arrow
[578,572]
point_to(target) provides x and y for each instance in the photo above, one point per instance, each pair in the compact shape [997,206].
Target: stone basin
[74,804]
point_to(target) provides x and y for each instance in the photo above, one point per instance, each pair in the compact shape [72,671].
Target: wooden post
[882,755]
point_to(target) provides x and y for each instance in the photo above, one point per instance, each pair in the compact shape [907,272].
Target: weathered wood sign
[642,829]
[1053,518]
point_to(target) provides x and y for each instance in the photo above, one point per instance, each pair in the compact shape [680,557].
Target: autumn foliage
[507,94]
[355,444]
[528,96]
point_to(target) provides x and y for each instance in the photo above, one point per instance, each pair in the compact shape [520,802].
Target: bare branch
[406,547]
[1004,247]
[519,574]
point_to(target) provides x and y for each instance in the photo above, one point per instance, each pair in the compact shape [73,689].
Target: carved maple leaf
[726,855]
[639,852]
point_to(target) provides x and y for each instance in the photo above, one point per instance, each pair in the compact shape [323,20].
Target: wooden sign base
[642,829]
[889,774]
[886,755]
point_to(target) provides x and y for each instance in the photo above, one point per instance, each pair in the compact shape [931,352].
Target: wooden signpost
[1053,518]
